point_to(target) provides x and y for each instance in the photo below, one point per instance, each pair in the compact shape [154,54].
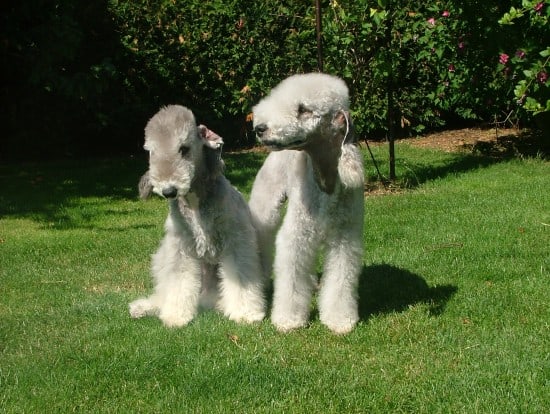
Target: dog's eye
[304,111]
[184,150]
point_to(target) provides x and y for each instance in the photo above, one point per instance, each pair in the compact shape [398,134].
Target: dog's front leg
[181,295]
[338,307]
[178,282]
[242,285]
[296,253]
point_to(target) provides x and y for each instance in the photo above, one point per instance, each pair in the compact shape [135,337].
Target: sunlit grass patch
[453,300]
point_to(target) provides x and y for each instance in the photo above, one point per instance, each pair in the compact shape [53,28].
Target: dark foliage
[81,78]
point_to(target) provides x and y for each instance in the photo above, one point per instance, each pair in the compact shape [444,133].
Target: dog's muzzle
[170,192]
[260,130]
[268,140]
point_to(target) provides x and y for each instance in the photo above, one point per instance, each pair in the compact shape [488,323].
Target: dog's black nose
[260,129]
[170,192]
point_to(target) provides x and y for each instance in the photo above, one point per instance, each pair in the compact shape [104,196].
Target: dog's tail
[145,187]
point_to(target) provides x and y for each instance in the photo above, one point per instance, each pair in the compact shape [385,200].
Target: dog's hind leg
[143,307]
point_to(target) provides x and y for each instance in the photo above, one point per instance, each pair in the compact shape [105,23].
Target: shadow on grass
[386,289]
[44,191]
[51,192]
[481,154]
[526,145]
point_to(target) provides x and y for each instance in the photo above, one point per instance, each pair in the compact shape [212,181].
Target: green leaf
[506,19]
[532,105]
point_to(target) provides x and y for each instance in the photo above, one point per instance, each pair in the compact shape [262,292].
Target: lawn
[455,316]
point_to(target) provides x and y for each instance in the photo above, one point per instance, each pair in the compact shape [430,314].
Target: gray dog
[208,232]
[317,167]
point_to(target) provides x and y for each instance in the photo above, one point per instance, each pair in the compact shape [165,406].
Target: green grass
[455,316]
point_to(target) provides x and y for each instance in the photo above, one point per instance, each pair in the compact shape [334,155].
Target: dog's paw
[248,317]
[251,317]
[287,324]
[141,307]
[340,326]
[242,306]
[176,319]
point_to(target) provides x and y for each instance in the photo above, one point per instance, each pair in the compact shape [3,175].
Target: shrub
[85,76]
[437,54]
[59,79]
[217,57]
[526,63]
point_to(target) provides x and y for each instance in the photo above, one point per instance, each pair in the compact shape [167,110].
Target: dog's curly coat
[208,232]
[319,169]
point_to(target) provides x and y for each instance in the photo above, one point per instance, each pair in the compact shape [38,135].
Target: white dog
[320,172]
[208,229]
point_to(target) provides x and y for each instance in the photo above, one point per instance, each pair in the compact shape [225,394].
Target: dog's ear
[213,143]
[210,138]
[145,187]
[342,121]
[350,167]
[350,163]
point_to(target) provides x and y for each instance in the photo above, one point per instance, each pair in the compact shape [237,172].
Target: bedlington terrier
[208,232]
[318,169]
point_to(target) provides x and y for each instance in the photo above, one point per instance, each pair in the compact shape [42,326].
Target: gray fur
[208,231]
[316,166]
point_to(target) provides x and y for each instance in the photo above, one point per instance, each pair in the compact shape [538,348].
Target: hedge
[82,78]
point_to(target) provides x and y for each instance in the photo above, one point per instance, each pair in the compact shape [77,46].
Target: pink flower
[431,21]
[542,77]
[538,7]
[451,68]
[520,53]
[446,13]
[461,45]
[503,59]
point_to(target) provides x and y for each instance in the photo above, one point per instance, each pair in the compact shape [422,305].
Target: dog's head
[179,153]
[301,108]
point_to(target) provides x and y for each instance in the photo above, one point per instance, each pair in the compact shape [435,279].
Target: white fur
[208,232]
[322,178]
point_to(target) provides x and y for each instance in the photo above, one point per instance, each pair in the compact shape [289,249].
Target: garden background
[453,296]
[81,78]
